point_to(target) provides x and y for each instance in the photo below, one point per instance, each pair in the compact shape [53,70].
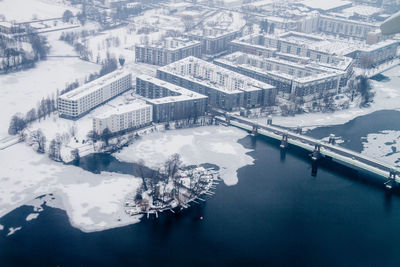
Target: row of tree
[19,121]
[13,55]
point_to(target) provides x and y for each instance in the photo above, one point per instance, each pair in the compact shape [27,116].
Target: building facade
[213,40]
[130,116]
[373,55]
[225,89]
[80,101]
[345,27]
[167,51]
[170,102]
[292,79]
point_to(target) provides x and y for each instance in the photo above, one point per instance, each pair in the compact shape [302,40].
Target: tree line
[15,57]
[20,121]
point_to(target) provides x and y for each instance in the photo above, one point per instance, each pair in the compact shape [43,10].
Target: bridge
[317,148]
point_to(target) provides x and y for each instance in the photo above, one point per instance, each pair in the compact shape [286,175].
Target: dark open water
[278,214]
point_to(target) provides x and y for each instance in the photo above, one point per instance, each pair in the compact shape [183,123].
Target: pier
[317,148]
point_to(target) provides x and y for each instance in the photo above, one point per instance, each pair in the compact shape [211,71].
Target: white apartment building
[133,115]
[83,99]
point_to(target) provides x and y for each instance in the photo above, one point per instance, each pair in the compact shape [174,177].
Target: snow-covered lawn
[25,10]
[211,144]
[387,97]
[20,91]
[92,201]
[96,201]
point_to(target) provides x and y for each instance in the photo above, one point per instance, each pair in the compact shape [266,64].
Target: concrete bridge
[317,148]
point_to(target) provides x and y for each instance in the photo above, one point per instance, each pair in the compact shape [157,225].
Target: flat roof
[214,33]
[325,5]
[317,72]
[248,84]
[6,24]
[172,44]
[184,94]
[93,86]
[136,105]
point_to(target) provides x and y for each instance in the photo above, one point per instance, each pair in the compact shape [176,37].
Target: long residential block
[167,51]
[130,116]
[170,102]
[291,77]
[80,101]
[225,89]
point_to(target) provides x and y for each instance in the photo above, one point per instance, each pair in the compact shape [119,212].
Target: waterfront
[277,214]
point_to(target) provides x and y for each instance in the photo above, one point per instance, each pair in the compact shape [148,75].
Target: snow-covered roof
[315,70]
[345,20]
[260,3]
[245,83]
[95,85]
[362,10]
[183,93]
[211,32]
[119,110]
[172,44]
[382,44]
[326,5]
[6,24]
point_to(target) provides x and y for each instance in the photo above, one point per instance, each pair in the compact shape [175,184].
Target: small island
[172,187]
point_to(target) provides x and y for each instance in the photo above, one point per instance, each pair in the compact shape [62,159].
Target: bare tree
[38,139]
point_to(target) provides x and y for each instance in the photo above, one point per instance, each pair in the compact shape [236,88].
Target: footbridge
[316,147]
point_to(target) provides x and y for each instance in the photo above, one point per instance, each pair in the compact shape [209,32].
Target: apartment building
[225,89]
[80,101]
[169,101]
[213,40]
[167,51]
[134,115]
[292,78]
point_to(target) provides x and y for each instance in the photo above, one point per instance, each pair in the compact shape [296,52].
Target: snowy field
[387,97]
[211,144]
[22,90]
[25,10]
[384,145]
[92,201]
[95,202]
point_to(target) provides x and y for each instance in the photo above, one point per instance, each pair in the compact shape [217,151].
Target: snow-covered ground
[387,97]
[92,201]
[384,145]
[121,41]
[23,10]
[20,91]
[211,144]
[233,21]
[96,201]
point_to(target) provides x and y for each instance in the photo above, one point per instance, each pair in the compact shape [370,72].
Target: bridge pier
[227,119]
[269,120]
[391,182]
[284,140]
[331,139]
[317,152]
[254,131]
